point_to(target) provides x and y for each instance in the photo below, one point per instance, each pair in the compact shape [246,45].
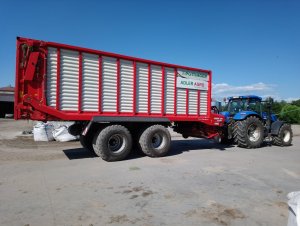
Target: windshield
[237,105]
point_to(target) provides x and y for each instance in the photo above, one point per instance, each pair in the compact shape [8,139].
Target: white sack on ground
[61,134]
[43,132]
[294,208]
[58,124]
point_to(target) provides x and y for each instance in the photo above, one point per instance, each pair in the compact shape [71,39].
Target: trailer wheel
[155,141]
[249,133]
[113,143]
[87,143]
[284,137]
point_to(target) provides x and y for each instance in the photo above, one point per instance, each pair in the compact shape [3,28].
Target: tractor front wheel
[284,137]
[249,133]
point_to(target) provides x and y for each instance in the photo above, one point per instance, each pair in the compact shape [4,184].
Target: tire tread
[144,141]
[278,140]
[240,133]
[98,143]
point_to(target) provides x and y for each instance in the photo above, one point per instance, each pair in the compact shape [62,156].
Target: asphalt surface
[198,183]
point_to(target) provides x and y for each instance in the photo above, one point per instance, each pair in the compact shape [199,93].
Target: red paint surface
[29,105]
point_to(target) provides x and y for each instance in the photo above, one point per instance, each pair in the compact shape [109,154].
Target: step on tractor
[247,124]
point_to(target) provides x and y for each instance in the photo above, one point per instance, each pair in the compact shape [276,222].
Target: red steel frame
[149,90]
[25,103]
[100,85]
[80,84]
[162,90]
[58,80]
[175,91]
[118,84]
[134,89]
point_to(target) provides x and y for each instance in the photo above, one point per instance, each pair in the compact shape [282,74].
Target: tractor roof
[245,97]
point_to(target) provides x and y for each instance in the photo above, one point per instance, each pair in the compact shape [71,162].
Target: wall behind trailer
[85,82]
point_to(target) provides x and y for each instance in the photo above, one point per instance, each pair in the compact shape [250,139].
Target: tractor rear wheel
[249,133]
[284,137]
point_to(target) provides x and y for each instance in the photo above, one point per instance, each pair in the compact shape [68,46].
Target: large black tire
[284,137]
[155,141]
[87,143]
[249,133]
[113,143]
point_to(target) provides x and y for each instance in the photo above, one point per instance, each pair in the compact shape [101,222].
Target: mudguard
[275,127]
[226,114]
[244,114]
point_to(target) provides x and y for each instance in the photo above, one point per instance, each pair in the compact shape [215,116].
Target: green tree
[290,113]
[296,102]
[277,107]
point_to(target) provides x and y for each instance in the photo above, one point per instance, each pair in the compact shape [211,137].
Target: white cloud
[222,90]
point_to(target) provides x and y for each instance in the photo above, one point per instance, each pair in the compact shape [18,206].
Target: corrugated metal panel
[193,99]
[69,86]
[181,101]
[69,80]
[126,86]
[109,84]
[156,89]
[169,90]
[90,82]
[51,77]
[203,102]
[142,88]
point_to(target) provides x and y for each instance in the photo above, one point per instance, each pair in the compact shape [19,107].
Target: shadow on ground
[78,153]
[177,148]
[180,146]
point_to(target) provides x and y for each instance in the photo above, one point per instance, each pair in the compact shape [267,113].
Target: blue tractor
[248,125]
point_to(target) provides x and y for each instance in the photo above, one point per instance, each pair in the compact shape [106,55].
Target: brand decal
[192,79]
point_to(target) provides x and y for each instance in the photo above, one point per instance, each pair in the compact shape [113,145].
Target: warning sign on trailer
[192,79]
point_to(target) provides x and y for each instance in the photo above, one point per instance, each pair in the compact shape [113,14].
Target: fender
[226,114]
[244,114]
[274,118]
[96,120]
[275,127]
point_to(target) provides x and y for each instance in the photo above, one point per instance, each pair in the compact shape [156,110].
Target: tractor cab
[244,103]
[242,106]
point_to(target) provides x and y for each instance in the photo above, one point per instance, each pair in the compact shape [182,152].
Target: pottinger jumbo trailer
[115,100]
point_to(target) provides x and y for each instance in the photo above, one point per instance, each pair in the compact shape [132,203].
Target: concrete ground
[198,183]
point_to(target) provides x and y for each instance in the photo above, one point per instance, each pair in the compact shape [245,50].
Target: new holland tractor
[248,125]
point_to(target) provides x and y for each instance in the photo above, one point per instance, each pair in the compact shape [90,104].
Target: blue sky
[251,46]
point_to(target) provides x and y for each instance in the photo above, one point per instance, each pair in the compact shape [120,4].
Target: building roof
[7,94]
[8,89]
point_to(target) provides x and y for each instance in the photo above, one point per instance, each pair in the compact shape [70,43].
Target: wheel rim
[157,140]
[253,133]
[116,143]
[286,136]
